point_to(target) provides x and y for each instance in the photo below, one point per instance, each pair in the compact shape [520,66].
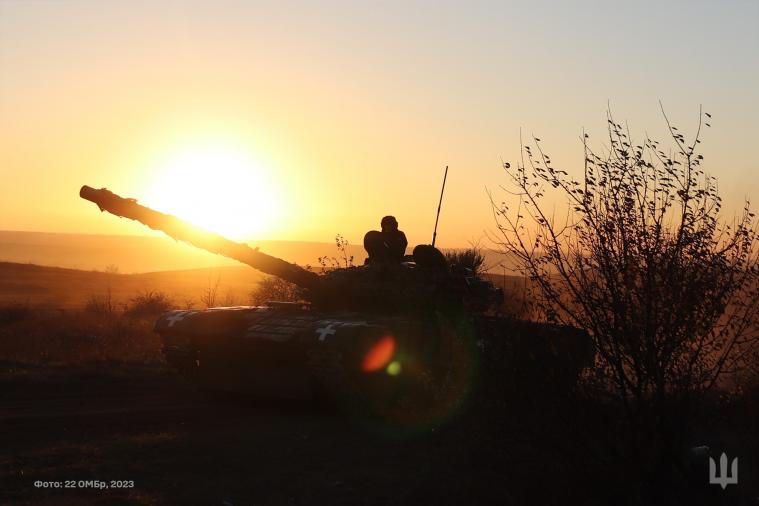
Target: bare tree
[644,262]
[230,299]
[208,296]
[343,259]
[104,304]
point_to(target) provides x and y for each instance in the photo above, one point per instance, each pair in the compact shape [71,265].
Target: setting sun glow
[220,188]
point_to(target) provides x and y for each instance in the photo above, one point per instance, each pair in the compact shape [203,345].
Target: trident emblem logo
[723,479]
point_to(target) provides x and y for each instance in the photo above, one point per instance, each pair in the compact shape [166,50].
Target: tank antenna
[439,205]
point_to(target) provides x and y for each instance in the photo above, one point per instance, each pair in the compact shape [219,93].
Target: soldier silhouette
[389,245]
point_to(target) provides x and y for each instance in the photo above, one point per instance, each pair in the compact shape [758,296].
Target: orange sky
[303,120]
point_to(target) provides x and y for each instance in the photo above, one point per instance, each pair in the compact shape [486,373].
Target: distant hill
[132,254]
[67,288]
[141,253]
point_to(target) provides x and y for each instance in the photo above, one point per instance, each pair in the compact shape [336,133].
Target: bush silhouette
[644,263]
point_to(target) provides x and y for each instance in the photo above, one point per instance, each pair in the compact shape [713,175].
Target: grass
[44,335]
[37,285]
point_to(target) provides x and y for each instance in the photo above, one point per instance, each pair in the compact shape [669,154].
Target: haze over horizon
[140,254]
[298,120]
[144,254]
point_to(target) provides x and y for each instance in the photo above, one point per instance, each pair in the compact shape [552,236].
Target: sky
[301,120]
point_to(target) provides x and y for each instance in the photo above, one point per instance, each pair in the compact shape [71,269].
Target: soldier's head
[389,223]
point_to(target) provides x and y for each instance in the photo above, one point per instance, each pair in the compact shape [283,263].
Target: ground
[85,395]
[145,425]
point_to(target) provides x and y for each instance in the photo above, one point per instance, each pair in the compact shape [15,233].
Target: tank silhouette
[365,335]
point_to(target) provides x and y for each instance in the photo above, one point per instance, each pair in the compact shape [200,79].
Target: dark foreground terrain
[142,424]
[86,396]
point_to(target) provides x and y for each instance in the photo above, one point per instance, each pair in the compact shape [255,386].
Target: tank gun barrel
[203,239]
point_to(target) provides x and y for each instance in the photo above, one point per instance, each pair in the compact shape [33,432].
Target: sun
[220,188]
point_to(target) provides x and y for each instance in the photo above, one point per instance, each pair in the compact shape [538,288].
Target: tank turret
[388,287]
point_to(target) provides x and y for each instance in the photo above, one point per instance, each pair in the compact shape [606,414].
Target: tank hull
[375,365]
[290,351]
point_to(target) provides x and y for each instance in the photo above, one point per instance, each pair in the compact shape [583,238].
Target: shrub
[275,289]
[148,303]
[470,259]
[100,304]
[643,262]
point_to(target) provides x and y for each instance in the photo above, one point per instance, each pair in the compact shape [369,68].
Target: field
[56,287]
[85,395]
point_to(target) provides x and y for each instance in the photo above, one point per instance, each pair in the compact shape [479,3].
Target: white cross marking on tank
[325,331]
[177,317]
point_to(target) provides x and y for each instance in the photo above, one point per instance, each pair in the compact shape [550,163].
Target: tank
[378,334]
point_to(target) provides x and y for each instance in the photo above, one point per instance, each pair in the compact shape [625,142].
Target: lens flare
[394,368]
[379,354]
